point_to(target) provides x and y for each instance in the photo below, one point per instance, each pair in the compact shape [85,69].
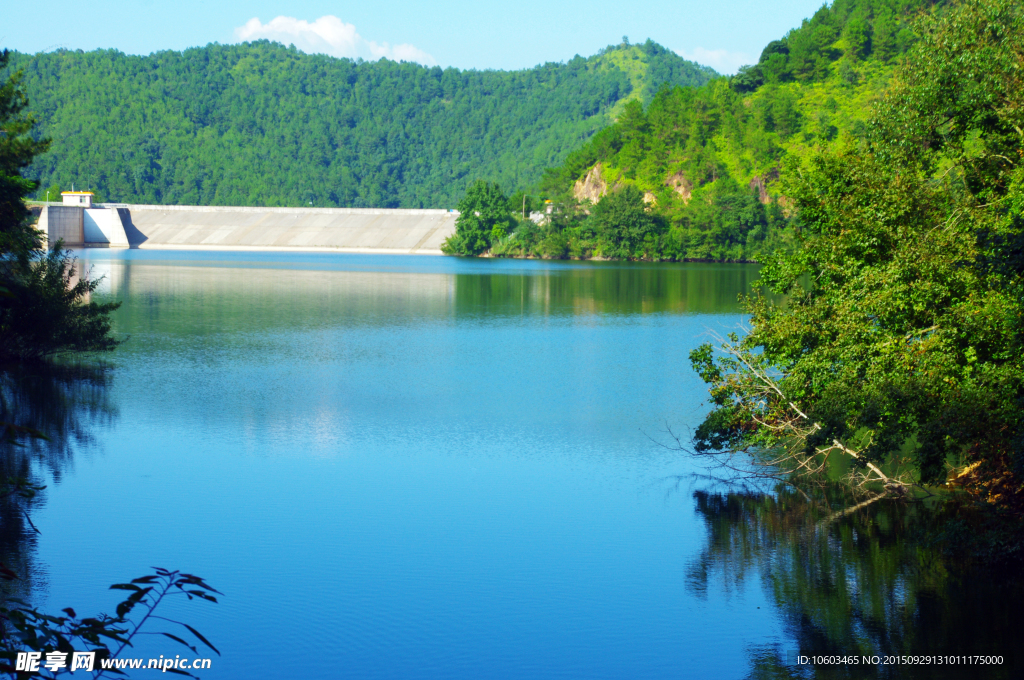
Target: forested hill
[262,124]
[709,159]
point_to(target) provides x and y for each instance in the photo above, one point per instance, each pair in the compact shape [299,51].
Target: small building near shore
[79,199]
[80,224]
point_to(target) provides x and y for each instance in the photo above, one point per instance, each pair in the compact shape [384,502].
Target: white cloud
[329,35]
[720,60]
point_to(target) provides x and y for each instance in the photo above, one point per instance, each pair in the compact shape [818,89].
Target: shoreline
[272,249]
[382,251]
[705,260]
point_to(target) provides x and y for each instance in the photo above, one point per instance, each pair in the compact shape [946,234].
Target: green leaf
[198,635]
[178,639]
[146,579]
[124,586]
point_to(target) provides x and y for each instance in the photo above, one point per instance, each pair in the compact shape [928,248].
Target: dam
[353,230]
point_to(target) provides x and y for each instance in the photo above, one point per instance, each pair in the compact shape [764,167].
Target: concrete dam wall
[364,230]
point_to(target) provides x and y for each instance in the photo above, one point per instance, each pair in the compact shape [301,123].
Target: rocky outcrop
[761,182]
[757,182]
[592,187]
[649,198]
[681,185]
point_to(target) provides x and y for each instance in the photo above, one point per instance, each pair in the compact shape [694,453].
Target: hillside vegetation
[898,352]
[696,173]
[262,124]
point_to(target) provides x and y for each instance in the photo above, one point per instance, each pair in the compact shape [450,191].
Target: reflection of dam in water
[230,293]
[366,230]
[237,290]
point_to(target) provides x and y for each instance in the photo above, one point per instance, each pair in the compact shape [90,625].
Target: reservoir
[429,467]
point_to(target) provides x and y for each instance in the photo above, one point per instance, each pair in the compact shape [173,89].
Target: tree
[42,308]
[624,221]
[53,193]
[858,35]
[747,79]
[45,312]
[900,346]
[483,218]
[774,61]
[883,40]
[17,149]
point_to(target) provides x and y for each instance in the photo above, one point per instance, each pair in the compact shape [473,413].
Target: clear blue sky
[478,34]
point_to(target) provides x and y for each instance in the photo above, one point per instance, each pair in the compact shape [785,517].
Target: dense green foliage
[619,227]
[17,149]
[47,312]
[483,219]
[901,346]
[851,30]
[42,306]
[708,159]
[261,124]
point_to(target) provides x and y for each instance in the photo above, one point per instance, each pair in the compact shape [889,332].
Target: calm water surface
[412,467]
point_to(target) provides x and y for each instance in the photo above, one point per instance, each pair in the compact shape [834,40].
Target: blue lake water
[406,467]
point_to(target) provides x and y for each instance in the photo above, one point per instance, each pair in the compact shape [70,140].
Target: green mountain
[707,161]
[265,125]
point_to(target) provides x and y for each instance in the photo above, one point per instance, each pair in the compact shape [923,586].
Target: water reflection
[868,584]
[613,289]
[62,402]
[319,290]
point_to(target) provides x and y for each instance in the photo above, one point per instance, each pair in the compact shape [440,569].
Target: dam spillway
[365,230]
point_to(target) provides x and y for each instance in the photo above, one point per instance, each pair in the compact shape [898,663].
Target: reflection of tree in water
[62,402]
[865,584]
[610,289]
